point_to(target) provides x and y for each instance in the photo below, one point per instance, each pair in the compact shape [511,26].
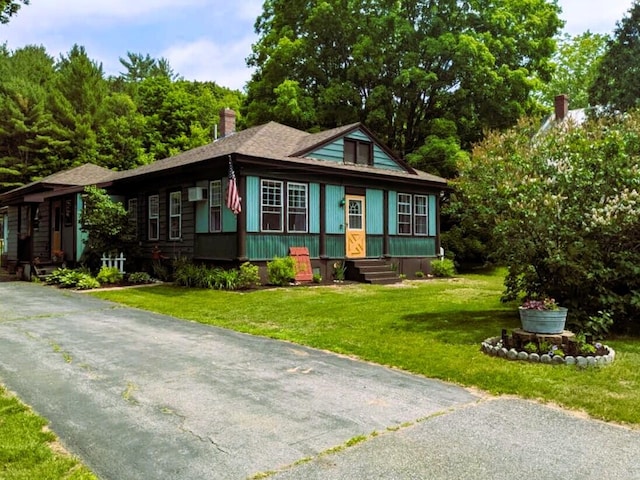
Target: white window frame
[175,211]
[404,209]
[297,210]
[215,204]
[132,211]
[271,207]
[154,215]
[424,215]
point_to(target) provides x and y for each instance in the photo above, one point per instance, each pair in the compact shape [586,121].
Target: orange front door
[356,237]
[56,226]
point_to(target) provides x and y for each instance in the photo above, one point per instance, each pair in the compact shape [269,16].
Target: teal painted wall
[253,199]
[393,213]
[374,211]
[412,246]
[314,208]
[81,237]
[334,195]
[266,246]
[432,216]
[374,246]
[333,152]
[335,246]
[384,161]
[202,210]
[229,220]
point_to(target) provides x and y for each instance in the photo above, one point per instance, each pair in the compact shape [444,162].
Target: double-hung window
[271,205]
[297,207]
[132,212]
[215,206]
[420,215]
[358,152]
[154,217]
[404,214]
[175,215]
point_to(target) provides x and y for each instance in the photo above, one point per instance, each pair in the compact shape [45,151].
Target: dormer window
[358,152]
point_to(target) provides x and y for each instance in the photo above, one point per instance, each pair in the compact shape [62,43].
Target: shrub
[317,278]
[87,282]
[249,276]
[139,278]
[281,270]
[443,268]
[109,275]
[419,274]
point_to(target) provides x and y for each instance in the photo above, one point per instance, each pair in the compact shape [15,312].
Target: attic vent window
[358,152]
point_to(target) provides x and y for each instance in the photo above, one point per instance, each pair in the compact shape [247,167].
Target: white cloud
[205,60]
[583,15]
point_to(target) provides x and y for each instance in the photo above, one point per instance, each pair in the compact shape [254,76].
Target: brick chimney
[561,106]
[227,122]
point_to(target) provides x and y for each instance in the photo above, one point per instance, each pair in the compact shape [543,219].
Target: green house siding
[314,208]
[393,213]
[202,210]
[335,246]
[215,246]
[412,246]
[229,220]
[374,246]
[333,152]
[374,211]
[81,235]
[432,216]
[384,161]
[334,198]
[266,246]
[253,200]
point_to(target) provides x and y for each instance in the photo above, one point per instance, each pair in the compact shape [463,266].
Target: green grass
[28,450]
[433,328]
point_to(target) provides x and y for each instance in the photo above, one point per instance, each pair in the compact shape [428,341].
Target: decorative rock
[534,357]
[581,361]
[545,358]
[523,356]
[502,353]
[557,359]
[569,360]
[512,354]
[599,360]
[591,361]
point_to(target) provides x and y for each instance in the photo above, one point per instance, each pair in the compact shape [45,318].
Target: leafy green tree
[617,84]
[576,63]
[9,8]
[562,214]
[400,67]
[106,224]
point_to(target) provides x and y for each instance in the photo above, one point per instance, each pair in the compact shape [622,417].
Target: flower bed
[493,346]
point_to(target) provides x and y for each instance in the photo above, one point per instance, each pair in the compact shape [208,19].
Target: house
[339,193]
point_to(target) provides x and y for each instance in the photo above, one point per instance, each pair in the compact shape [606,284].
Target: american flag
[233,199]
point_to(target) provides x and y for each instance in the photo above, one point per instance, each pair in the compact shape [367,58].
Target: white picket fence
[111,261]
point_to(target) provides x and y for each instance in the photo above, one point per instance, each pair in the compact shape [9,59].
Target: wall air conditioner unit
[197,194]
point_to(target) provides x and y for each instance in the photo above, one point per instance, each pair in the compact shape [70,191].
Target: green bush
[139,278]
[249,276]
[281,270]
[109,275]
[443,268]
[317,278]
[87,282]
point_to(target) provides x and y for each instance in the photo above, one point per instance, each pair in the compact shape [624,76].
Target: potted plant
[542,316]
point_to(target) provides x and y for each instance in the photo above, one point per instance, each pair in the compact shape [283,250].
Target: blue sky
[202,39]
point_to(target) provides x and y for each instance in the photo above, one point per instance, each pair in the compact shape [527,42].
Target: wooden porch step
[376,271]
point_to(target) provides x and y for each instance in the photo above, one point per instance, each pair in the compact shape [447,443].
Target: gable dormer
[353,146]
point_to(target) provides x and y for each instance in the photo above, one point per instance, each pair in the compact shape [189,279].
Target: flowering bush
[544,304]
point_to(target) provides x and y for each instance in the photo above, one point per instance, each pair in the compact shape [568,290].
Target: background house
[339,193]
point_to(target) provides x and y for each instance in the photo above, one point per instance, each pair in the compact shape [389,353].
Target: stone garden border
[493,346]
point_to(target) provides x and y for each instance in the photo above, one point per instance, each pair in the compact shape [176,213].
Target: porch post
[323,223]
[241,236]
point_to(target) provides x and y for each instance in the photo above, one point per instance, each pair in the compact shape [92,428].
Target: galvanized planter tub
[543,321]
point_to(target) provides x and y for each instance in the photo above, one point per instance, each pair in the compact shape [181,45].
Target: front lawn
[433,328]
[28,450]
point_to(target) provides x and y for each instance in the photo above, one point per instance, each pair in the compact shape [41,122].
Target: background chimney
[227,122]
[561,107]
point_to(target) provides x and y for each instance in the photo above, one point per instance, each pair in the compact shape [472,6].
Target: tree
[617,84]
[561,211]
[401,67]
[576,63]
[9,8]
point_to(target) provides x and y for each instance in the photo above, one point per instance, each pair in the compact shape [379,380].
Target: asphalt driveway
[138,395]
